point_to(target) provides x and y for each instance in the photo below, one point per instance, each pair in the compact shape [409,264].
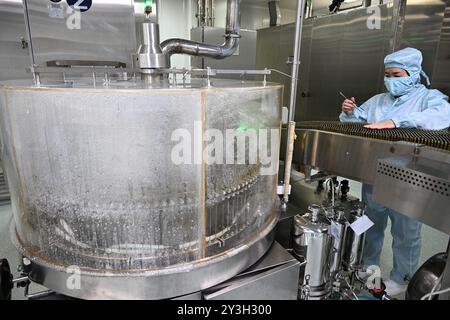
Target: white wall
[175,21]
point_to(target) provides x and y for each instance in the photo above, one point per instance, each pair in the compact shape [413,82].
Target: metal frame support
[296,62]
[293,97]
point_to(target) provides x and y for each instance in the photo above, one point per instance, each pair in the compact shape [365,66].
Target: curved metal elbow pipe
[182,46]
[232,30]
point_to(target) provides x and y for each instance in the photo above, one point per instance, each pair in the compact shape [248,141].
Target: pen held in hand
[356,106]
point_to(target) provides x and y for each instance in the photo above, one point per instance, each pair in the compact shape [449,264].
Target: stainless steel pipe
[149,54]
[205,13]
[232,35]
[296,61]
[295,67]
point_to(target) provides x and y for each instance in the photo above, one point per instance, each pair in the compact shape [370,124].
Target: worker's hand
[386,124]
[348,105]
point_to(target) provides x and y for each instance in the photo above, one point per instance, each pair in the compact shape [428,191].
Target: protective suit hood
[409,59]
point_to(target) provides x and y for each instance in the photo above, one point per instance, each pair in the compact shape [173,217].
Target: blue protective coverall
[418,108]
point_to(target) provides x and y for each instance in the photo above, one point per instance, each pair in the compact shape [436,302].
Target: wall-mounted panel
[14,53]
[104,32]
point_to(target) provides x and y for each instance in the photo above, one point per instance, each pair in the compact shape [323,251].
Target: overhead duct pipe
[274,13]
[232,35]
[210,13]
[201,13]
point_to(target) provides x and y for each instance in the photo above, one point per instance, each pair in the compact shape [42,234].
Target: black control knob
[148,10]
[345,188]
[6,283]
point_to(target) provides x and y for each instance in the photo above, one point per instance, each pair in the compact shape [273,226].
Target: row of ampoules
[434,138]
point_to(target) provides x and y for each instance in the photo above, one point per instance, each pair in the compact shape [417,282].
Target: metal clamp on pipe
[149,56]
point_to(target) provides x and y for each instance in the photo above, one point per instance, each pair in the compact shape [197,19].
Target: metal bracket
[67,67]
[85,63]
[319,176]
[280,189]
[24,43]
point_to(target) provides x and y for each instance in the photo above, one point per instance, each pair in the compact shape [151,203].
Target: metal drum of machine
[114,183]
[354,243]
[312,243]
[338,230]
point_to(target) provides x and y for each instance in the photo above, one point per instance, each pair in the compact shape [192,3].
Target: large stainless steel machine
[98,194]
[103,206]
[105,148]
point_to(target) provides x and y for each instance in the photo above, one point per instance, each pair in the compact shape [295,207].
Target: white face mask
[398,86]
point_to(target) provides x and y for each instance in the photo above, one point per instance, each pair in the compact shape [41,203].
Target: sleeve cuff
[402,122]
[345,117]
[353,117]
[356,113]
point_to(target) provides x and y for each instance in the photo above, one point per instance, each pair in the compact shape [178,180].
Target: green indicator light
[148,5]
[242,127]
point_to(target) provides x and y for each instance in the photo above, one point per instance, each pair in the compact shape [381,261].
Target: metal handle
[85,63]
[24,43]
[290,60]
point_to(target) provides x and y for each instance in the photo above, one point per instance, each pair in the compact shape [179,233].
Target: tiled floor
[433,242]
[6,248]
[8,251]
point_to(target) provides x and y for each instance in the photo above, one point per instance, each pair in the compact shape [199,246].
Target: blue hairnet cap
[409,59]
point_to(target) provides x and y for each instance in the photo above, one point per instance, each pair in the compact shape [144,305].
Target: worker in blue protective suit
[408,103]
